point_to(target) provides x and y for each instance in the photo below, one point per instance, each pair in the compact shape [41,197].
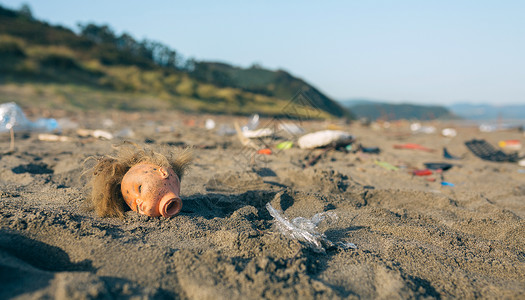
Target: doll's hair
[108,171]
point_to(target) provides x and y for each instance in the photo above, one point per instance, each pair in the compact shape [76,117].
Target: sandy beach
[415,237]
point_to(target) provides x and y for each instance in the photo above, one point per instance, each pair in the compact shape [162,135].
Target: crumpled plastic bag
[12,117]
[324,138]
[305,230]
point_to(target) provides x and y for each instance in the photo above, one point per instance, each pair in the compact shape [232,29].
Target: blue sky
[429,52]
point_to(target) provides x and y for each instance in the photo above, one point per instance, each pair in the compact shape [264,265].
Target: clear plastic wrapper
[12,117]
[305,230]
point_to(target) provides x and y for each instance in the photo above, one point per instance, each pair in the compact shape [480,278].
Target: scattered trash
[413,147]
[265,151]
[209,124]
[438,166]
[513,145]
[291,128]
[243,139]
[284,145]
[372,150]
[444,183]
[449,132]
[417,128]
[252,124]
[325,138]
[424,172]
[52,137]
[13,118]
[386,165]
[305,230]
[521,171]
[447,155]
[100,134]
[521,163]
[258,133]
[487,128]
[486,151]
[148,181]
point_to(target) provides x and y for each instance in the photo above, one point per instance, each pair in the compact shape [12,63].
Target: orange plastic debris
[152,190]
[424,172]
[265,151]
[413,147]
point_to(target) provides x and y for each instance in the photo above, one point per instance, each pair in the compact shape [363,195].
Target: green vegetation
[388,112]
[45,65]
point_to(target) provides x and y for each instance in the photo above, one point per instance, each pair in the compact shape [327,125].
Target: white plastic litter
[263,132]
[449,132]
[323,138]
[99,134]
[53,137]
[252,124]
[12,117]
[291,128]
[418,128]
[102,134]
[305,230]
[522,163]
[487,128]
[209,124]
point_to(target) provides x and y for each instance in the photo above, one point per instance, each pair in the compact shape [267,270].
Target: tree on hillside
[25,11]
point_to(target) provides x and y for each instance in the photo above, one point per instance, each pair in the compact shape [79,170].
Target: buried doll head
[147,181]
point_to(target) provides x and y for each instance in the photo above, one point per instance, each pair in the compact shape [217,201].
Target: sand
[415,238]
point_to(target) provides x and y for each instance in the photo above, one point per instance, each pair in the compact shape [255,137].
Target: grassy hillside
[47,65]
[385,111]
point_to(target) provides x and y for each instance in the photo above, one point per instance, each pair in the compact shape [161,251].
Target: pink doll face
[152,190]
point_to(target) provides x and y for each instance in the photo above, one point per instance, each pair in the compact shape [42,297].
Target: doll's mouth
[171,207]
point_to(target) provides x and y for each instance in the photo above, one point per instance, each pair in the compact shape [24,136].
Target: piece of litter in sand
[424,172]
[444,183]
[486,151]
[252,124]
[264,151]
[99,134]
[258,133]
[386,165]
[413,147]
[449,132]
[13,118]
[52,137]
[209,124]
[102,134]
[284,145]
[325,138]
[447,155]
[305,230]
